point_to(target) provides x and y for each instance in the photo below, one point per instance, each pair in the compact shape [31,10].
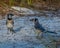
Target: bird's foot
[38,37]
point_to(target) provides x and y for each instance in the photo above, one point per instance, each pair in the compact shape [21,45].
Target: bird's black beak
[31,19]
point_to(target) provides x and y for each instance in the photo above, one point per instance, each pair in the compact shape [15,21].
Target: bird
[10,23]
[39,29]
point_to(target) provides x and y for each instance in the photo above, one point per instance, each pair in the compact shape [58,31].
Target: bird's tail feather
[50,32]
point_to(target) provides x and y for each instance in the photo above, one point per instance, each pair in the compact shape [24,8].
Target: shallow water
[25,36]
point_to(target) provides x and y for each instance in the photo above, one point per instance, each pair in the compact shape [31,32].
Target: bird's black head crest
[9,16]
[34,19]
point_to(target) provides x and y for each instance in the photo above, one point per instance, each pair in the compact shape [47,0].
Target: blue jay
[39,28]
[10,22]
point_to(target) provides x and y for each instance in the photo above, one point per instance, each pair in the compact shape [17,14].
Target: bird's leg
[39,34]
[8,30]
[11,30]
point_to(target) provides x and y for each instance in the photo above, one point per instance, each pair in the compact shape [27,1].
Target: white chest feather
[9,25]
